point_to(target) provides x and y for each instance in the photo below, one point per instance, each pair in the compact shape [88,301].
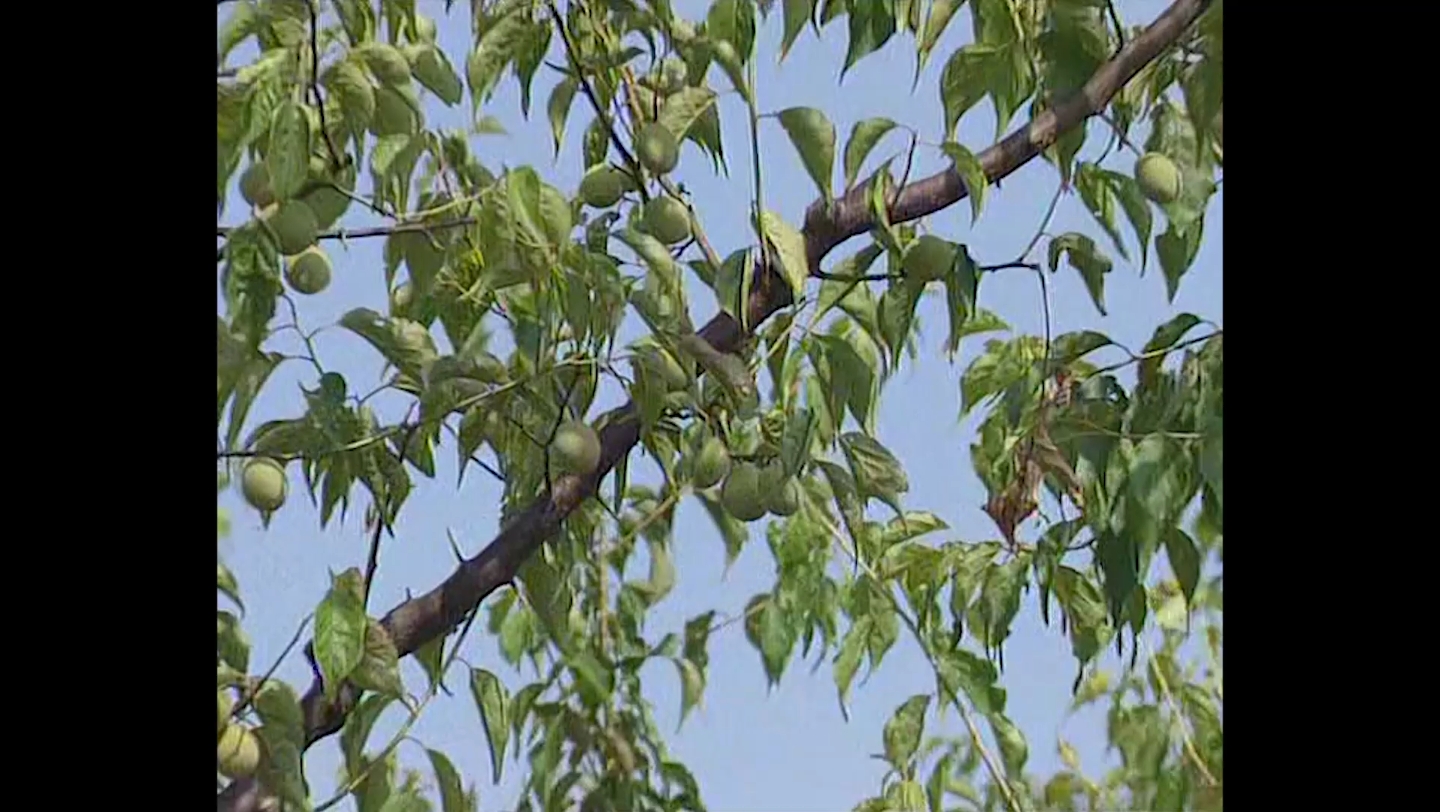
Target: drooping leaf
[904,729]
[813,136]
[1085,257]
[492,703]
[863,138]
[796,14]
[340,630]
[789,246]
[288,157]
[877,473]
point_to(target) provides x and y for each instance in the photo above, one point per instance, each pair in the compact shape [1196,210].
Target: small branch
[840,277]
[250,695]
[315,83]
[1136,358]
[378,231]
[1033,266]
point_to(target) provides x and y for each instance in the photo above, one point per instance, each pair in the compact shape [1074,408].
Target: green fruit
[255,185]
[1158,176]
[740,495]
[657,148]
[673,73]
[666,219]
[327,202]
[576,449]
[393,114]
[928,258]
[400,298]
[711,464]
[602,187]
[263,484]
[238,752]
[294,225]
[783,500]
[387,63]
[309,271]
[222,710]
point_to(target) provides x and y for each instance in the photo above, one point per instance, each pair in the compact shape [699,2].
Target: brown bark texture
[421,619]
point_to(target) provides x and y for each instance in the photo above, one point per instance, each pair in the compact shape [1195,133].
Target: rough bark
[421,619]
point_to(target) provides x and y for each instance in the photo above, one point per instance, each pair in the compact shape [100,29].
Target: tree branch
[423,618]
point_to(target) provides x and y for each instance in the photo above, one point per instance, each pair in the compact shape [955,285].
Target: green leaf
[796,14]
[814,138]
[1176,249]
[562,96]
[1013,750]
[999,602]
[493,51]
[288,158]
[937,17]
[769,631]
[871,26]
[683,108]
[789,246]
[231,643]
[962,673]
[358,726]
[431,657]
[379,668]
[904,729]
[692,685]
[1099,198]
[224,579]
[968,167]
[1165,336]
[340,631]
[849,380]
[965,81]
[453,797]
[436,75]
[279,708]
[595,681]
[1212,457]
[1184,561]
[1085,257]
[847,659]
[863,138]
[492,703]
[732,531]
[280,770]
[662,572]
[877,473]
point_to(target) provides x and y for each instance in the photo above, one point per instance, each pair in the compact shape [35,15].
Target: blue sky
[751,748]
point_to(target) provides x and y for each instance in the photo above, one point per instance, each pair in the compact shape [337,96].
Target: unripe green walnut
[576,449]
[657,148]
[602,187]
[238,752]
[666,219]
[784,499]
[711,464]
[309,271]
[740,495]
[294,226]
[928,258]
[263,484]
[1159,177]
[255,185]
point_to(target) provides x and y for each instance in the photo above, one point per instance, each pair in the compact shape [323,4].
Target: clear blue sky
[751,749]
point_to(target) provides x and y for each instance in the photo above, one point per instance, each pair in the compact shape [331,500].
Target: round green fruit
[576,449]
[666,219]
[657,148]
[238,752]
[1159,177]
[602,187]
[740,495]
[712,463]
[388,64]
[928,258]
[294,226]
[393,114]
[255,185]
[783,500]
[263,484]
[309,271]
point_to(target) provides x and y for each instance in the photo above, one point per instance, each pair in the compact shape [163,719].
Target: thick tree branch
[423,618]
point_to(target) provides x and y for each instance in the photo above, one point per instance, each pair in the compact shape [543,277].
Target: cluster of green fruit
[237,749]
[263,484]
[296,223]
[658,151]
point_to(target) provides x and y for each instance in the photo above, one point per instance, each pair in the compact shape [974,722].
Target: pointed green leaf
[1013,750]
[683,108]
[796,14]
[904,729]
[558,108]
[814,138]
[279,708]
[288,158]
[937,17]
[1085,257]
[379,667]
[863,138]
[965,81]
[789,246]
[492,703]
[1176,249]
[493,51]
[1212,457]
[877,473]
[847,659]
[968,167]
[453,797]
[692,685]
[339,632]
[871,26]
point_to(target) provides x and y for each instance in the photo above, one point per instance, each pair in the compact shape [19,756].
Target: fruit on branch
[602,186]
[238,752]
[393,114]
[387,63]
[294,226]
[255,185]
[1159,177]
[666,219]
[263,484]
[928,258]
[656,148]
[784,498]
[740,495]
[711,464]
[309,271]
[576,448]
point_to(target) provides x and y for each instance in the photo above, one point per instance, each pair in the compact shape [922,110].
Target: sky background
[786,749]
